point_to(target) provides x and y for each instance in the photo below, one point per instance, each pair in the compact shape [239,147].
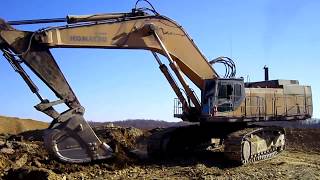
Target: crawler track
[239,145]
[157,145]
[242,146]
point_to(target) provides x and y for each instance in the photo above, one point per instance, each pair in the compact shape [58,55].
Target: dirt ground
[24,157]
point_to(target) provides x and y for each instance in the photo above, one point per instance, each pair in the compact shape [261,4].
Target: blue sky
[122,84]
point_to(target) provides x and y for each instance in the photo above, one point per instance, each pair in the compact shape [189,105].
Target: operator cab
[222,95]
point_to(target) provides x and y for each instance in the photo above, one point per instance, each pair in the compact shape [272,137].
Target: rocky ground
[23,157]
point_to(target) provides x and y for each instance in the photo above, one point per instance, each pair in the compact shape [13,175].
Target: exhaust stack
[266,73]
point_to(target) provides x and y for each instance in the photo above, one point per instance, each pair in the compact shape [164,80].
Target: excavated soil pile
[24,157]
[303,139]
[128,143]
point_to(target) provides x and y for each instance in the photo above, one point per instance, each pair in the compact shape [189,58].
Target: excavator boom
[114,31]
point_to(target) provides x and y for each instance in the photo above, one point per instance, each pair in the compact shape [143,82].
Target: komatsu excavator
[224,112]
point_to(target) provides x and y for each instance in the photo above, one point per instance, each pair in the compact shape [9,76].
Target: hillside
[13,125]
[141,123]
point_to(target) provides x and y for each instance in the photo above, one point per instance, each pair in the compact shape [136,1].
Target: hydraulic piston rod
[76,19]
[177,71]
[37,21]
[172,82]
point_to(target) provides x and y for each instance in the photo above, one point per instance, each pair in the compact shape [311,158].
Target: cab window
[225,91]
[237,92]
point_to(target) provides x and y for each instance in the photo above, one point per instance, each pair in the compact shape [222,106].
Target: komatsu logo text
[88,38]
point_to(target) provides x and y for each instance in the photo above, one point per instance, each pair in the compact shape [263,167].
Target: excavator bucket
[74,141]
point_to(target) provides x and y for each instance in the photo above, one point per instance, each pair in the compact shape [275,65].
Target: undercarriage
[240,142]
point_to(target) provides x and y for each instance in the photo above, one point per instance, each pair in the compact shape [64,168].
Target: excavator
[225,114]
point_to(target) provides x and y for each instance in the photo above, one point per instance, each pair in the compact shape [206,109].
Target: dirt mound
[24,154]
[14,125]
[303,139]
[124,141]
[23,157]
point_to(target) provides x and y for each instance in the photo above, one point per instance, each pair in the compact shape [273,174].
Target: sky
[127,84]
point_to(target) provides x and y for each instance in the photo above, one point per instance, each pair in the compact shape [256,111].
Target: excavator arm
[69,137]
